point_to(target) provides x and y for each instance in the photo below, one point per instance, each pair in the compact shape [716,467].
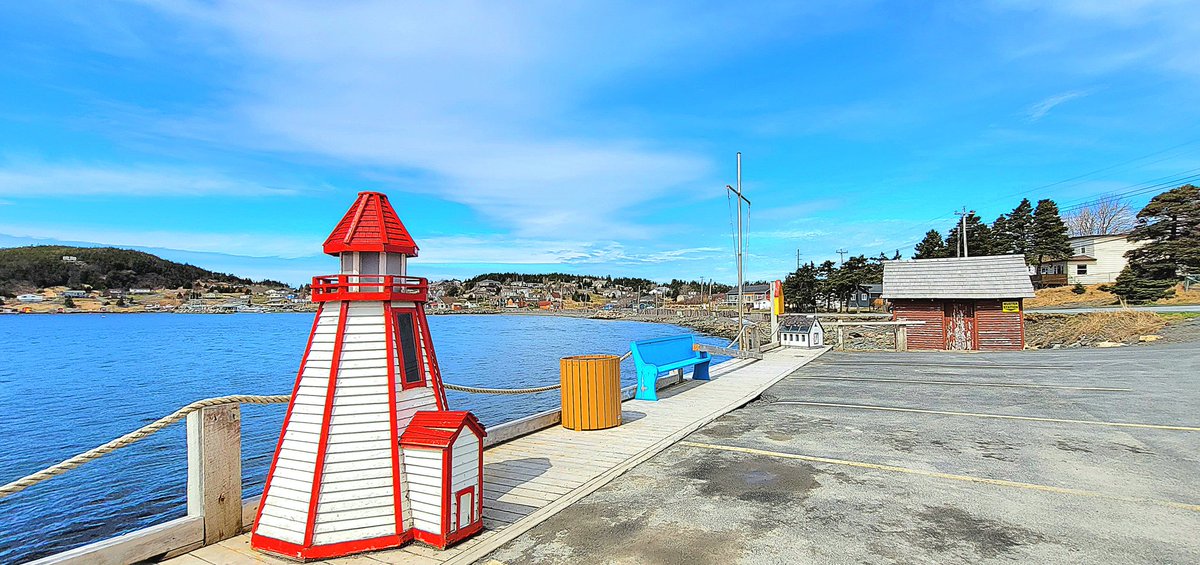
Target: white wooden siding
[423,471]
[286,501]
[466,461]
[411,401]
[1109,252]
[357,500]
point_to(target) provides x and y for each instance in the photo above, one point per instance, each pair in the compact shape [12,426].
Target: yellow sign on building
[1010,306]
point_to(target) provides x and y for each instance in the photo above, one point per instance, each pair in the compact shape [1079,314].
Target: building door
[959,325]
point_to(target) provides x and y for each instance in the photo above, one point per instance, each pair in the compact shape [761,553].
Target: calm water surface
[70,383]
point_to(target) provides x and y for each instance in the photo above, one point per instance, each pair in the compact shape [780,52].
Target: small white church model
[370,457]
[801,331]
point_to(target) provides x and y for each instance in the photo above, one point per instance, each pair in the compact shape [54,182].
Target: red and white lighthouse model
[338,483]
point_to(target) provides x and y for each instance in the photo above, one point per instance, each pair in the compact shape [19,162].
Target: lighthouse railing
[369,287]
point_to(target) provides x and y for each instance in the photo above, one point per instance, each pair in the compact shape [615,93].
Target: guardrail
[369,287]
[900,331]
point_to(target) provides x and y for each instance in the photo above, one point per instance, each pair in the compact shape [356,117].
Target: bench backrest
[664,350]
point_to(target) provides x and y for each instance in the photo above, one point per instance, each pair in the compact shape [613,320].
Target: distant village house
[1096,259]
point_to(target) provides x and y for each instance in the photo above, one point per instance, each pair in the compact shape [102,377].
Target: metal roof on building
[795,323]
[750,289]
[993,276]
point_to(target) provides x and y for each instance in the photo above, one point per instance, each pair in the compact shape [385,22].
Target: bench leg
[700,372]
[647,386]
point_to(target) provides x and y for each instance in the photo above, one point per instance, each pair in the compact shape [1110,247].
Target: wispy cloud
[49,180]
[1039,110]
[497,121]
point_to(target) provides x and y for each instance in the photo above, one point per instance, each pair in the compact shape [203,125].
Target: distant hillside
[27,268]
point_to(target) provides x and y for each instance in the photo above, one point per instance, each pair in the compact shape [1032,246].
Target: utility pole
[962,230]
[740,282]
[842,254]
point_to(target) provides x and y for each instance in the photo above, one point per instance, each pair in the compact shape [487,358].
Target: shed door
[960,325]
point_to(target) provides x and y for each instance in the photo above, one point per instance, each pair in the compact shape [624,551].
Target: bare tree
[1103,216]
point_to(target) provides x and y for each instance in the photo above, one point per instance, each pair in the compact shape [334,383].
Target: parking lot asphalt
[1066,456]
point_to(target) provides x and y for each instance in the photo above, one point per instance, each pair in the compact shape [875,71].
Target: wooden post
[841,338]
[214,482]
[901,337]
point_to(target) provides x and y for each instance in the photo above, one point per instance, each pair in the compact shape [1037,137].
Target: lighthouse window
[408,348]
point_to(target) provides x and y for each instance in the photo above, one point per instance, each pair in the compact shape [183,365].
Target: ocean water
[71,382]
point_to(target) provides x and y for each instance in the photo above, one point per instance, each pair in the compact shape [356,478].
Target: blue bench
[654,357]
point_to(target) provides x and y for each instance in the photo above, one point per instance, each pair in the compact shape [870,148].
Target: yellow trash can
[591,392]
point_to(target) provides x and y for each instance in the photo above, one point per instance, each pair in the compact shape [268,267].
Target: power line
[1078,177]
[1136,190]
[1100,170]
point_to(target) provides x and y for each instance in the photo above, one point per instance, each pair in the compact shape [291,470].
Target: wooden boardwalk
[533,477]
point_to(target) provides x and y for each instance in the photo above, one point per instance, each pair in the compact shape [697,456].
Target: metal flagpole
[740,281]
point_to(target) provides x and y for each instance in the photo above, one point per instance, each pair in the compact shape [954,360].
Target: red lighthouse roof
[371,225]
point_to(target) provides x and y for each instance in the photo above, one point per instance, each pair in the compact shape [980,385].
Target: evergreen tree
[1170,227]
[800,289]
[1002,238]
[896,257]
[1138,283]
[852,276]
[825,282]
[931,247]
[979,238]
[1018,230]
[1050,240]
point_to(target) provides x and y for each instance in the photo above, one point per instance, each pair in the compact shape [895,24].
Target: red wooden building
[967,303]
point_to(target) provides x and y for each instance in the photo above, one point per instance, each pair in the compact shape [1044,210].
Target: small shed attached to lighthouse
[443,458]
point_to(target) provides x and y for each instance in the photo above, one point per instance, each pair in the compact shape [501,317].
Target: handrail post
[214,481]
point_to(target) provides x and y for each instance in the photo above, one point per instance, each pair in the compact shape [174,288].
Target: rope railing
[531,390]
[149,429]
[482,390]
[131,438]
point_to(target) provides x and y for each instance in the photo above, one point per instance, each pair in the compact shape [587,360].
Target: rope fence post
[214,479]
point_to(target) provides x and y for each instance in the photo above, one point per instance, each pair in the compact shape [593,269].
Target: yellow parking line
[948,476]
[963,383]
[997,416]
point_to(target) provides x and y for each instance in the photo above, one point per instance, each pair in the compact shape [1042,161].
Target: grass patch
[1064,296]
[1126,326]
[1181,297]
[1179,316]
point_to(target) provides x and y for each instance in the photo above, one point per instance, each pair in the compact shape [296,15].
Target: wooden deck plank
[531,478]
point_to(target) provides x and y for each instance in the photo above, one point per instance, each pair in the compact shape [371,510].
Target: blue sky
[581,137]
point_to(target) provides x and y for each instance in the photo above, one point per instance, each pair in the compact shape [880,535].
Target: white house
[801,331]
[1096,259]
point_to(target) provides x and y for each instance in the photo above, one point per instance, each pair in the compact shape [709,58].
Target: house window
[1081,269]
[410,366]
